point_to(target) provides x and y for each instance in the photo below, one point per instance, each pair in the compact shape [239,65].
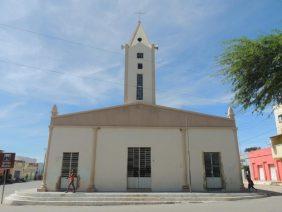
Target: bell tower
[139,80]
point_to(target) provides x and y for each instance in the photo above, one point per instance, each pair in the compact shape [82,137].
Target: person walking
[250,183]
[71,181]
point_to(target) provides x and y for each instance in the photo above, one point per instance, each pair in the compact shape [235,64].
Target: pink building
[263,167]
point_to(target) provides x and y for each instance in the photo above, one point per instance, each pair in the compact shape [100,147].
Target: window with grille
[139,92]
[140,66]
[212,164]
[139,162]
[70,161]
[139,55]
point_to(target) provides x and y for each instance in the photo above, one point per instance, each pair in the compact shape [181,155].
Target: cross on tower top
[139,13]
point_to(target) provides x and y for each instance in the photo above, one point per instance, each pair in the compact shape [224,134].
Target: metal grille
[212,164]
[139,162]
[70,161]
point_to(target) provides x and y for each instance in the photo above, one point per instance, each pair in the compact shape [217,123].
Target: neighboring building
[264,167]
[266,164]
[276,141]
[26,159]
[17,171]
[140,145]
[25,168]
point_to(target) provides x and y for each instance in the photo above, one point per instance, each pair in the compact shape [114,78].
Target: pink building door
[272,173]
[261,173]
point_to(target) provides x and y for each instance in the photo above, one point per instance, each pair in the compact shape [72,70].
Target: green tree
[249,149]
[254,68]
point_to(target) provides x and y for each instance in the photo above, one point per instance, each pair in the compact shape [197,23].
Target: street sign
[7,160]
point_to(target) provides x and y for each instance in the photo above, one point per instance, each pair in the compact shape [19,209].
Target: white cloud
[183,100]
[104,26]
[7,110]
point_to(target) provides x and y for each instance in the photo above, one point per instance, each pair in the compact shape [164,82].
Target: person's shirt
[71,177]
[250,181]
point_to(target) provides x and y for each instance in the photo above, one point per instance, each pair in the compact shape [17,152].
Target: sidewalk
[270,189]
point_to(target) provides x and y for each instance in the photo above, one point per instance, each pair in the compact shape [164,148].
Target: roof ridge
[141,103]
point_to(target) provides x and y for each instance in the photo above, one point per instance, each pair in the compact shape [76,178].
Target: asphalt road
[270,204]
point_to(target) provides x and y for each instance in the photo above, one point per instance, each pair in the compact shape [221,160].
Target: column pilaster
[43,187]
[91,186]
[185,186]
[238,153]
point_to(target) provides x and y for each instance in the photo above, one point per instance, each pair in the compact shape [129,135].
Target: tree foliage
[254,68]
[251,149]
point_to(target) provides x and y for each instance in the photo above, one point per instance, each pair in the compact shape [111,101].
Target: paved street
[11,188]
[270,204]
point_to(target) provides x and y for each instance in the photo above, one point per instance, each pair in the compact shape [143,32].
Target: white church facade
[141,146]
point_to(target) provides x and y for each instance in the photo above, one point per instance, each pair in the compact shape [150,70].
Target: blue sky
[68,53]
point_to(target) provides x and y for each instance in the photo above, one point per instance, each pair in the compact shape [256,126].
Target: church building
[142,146]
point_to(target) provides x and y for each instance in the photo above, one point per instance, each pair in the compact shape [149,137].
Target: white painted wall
[214,140]
[70,139]
[148,73]
[166,157]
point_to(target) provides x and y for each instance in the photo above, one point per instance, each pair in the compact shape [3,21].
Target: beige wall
[166,155]
[214,140]
[70,139]
[276,146]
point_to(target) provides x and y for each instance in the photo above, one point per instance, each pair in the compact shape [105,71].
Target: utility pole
[3,187]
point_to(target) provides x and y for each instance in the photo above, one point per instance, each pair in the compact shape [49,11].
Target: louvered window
[139,162]
[70,161]
[139,92]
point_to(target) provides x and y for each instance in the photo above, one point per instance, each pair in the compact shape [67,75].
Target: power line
[253,137]
[4,60]
[57,38]
[77,43]
[179,91]
[242,127]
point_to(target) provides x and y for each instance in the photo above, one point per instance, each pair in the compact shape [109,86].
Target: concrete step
[80,198]
[133,198]
[32,192]
[87,203]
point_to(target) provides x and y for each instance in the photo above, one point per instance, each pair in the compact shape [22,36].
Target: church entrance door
[139,168]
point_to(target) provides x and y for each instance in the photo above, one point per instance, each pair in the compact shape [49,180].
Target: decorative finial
[230,113]
[54,111]
[139,13]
